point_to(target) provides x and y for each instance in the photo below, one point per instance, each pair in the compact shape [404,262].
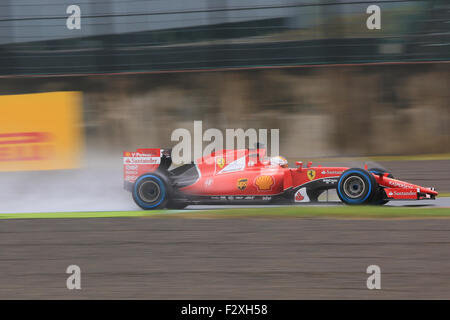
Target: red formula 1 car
[248,177]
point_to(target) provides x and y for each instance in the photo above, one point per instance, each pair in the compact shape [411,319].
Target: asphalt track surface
[239,258]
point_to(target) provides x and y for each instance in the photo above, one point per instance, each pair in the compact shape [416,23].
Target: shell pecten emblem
[311,174]
[242,183]
[264,183]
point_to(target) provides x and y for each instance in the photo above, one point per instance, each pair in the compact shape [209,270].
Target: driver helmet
[279,160]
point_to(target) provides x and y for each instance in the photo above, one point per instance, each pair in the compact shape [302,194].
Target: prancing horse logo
[311,174]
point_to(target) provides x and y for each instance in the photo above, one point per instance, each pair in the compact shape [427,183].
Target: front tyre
[356,186]
[150,192]
[379,198]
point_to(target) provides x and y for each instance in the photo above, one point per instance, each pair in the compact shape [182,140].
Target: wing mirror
[299,165]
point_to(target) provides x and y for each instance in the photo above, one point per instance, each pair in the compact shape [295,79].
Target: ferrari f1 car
[247,176]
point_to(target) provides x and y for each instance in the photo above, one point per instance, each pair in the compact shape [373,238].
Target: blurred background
[142,68]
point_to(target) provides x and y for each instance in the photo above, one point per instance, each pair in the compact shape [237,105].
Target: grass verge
[443,194]
[285,212]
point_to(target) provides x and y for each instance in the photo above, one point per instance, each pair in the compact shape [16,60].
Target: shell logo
[264,183]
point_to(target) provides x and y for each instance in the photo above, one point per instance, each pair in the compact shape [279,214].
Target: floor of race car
[438,203]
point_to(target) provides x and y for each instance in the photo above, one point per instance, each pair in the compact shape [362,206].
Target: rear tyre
[150,192]
[356,186]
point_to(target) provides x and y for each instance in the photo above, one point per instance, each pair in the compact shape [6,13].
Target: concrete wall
[340,111]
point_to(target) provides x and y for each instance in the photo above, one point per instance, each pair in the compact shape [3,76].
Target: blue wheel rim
[355,201]
[136,193]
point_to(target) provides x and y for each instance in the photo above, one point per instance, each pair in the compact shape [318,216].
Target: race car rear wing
[136,163]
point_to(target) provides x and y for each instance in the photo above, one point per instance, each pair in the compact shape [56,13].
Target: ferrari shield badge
[220,162]
[311,174]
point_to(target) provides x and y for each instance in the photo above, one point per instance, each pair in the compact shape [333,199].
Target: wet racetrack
[181,258]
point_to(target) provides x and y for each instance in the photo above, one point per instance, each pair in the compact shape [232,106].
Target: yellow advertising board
[40,131]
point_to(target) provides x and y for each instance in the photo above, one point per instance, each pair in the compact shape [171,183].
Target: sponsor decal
[266,198]
[233,198]
[399,193]
[330,181]
[40,131]
[311,174]
[301,195]
[26,146]
[208,182]
[264,183]
[399,184]
[242,183]
[220,162]
[331,172]
[141,160]
[409,193]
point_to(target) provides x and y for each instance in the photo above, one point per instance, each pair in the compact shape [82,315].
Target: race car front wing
[406,194]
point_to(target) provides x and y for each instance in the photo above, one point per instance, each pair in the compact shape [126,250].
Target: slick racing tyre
[356,186]
[380,195]
[150,191]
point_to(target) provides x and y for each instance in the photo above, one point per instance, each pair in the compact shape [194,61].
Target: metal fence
[175,35]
